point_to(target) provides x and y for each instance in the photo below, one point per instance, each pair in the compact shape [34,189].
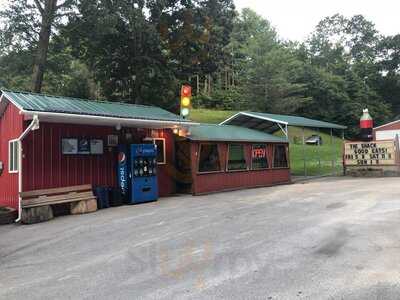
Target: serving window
[259,158]
[209,160]
[236,157]
[161,154]
[280,156]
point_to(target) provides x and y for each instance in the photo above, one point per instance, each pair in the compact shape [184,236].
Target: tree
[268,71]
[123,50]
[345,72]
[194,33]
[28,25]
[388,84]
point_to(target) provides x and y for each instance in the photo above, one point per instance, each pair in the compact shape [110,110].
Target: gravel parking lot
[334,238]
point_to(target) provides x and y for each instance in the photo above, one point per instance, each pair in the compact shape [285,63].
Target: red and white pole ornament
[366,126]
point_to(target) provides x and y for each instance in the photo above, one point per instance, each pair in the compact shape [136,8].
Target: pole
[289,158]
[287,132]
[342,153]
[319,152]
[304,155]
[333,153]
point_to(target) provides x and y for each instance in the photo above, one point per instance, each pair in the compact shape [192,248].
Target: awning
[270,123]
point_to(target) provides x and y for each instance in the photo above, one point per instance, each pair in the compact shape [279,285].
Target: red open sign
[259,153]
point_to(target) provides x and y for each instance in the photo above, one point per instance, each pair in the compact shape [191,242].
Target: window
[13,156]
[209,158]
[236,157]
[160,142]
[259,158]
[280,156]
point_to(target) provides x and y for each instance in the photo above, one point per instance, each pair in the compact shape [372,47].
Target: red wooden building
[192,158]
[225,157]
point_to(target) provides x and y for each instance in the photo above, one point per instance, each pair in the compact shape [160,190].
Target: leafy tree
[123,50]
[268,71]
[28,25]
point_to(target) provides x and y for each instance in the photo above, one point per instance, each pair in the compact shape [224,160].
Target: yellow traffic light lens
[185,101]
[184,112]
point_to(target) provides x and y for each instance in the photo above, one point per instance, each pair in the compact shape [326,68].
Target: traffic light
[186,100]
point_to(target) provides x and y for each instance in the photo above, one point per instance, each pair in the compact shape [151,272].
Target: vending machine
[124,172]
[144,187]
[137,173]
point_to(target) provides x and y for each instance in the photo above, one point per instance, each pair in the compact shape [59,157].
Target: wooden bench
[36,205]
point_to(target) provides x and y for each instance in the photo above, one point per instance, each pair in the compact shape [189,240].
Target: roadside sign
[370,153]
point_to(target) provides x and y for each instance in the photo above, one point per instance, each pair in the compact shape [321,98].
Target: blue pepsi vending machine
[123,172]
[144,186]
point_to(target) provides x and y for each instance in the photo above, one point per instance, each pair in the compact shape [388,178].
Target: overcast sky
[295,19]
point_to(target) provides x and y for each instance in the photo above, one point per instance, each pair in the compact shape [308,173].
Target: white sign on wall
[69,146]
[96,146]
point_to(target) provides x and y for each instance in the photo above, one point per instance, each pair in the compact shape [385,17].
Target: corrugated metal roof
[212,132]
[65,105]
[299,121]
[241,117]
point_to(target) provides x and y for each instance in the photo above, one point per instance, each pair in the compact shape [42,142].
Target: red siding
[44,165]
[223,181]
[11,127]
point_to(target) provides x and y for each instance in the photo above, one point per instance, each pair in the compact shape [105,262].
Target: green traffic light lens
[184,112]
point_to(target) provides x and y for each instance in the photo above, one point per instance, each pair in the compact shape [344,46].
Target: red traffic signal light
[186,91]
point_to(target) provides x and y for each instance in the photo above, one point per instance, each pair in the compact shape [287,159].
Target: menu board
[370,153]
[82,146]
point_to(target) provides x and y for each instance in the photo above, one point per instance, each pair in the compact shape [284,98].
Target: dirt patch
[336,205]
[332,246]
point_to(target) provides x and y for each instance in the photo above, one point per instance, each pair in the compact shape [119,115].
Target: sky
[296,19]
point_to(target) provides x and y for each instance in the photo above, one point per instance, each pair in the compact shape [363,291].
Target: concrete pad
[334,238]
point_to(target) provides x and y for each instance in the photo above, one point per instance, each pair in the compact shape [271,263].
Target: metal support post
[333,153]
[304,155]
[319,152]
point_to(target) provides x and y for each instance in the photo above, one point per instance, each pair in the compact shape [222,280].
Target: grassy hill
[210,116]
[318,158]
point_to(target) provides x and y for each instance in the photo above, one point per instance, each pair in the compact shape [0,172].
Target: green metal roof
[269,122]
[299,121]
[213,132]
[54,104]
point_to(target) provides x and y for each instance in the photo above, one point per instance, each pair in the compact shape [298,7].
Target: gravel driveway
[334,238]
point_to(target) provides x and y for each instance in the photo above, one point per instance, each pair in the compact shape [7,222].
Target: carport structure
[271,123]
